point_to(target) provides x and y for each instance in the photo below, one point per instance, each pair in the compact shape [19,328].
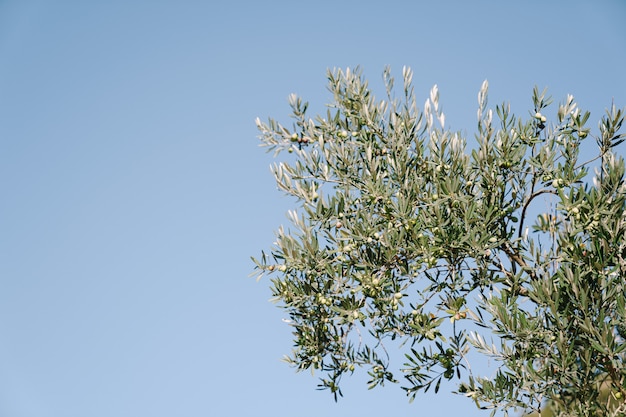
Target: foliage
[508,248]
[611,398]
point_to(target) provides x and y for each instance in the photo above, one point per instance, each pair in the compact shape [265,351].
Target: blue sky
[133,191]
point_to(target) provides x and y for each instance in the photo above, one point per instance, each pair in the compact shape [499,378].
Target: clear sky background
[133,190]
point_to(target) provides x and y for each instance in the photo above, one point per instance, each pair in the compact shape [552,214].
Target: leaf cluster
[405,235]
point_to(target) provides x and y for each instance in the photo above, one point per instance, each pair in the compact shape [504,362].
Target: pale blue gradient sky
[132,189]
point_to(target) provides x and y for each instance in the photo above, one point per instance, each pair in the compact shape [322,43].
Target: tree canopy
[414,252]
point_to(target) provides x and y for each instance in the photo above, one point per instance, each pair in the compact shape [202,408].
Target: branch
[527,203]
[515,257]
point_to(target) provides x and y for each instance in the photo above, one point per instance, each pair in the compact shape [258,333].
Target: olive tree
[414,253]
